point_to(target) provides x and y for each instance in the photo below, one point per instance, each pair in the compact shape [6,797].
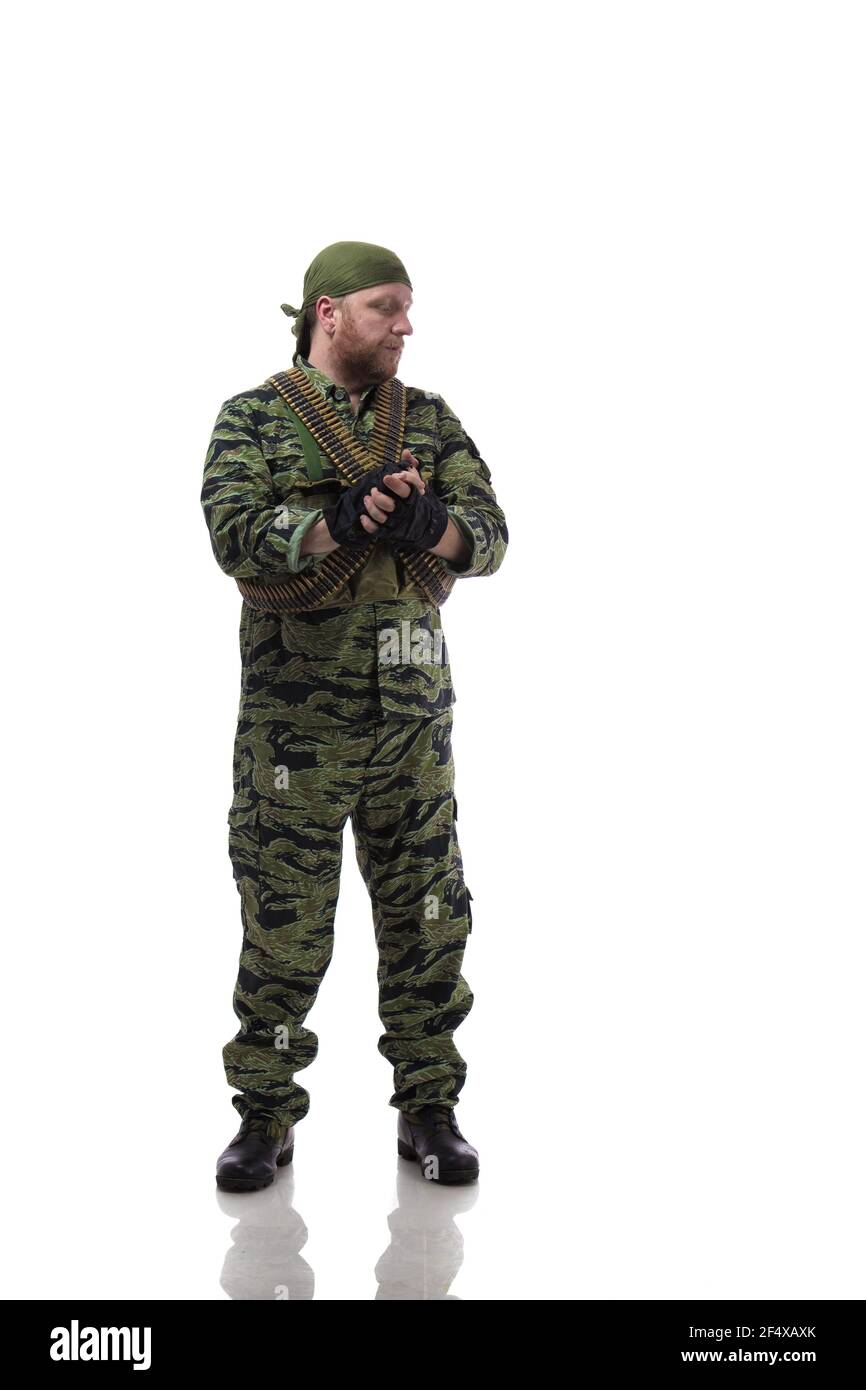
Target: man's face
[370,328]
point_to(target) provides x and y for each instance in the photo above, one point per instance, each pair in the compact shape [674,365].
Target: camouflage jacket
[378,648]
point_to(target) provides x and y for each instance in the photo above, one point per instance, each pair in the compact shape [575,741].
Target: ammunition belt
[313,587]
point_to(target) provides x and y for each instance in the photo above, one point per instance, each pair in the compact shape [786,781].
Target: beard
[360,362]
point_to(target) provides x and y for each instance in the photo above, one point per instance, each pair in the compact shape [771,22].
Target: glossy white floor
[624,1153]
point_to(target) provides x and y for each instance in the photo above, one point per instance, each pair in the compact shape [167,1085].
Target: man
[345,505]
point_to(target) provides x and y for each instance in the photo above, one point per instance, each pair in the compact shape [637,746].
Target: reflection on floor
[421,1262]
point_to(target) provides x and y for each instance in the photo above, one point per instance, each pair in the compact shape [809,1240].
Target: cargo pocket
[244,839]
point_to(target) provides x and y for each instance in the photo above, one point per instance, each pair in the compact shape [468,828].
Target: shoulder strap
[308,444]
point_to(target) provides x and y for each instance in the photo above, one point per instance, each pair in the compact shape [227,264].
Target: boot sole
[253,1184]
[456,1175]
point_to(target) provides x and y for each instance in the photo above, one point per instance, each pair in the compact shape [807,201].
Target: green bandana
[342,268]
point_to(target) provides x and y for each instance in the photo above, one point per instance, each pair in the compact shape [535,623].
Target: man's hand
[380,505]
[415,519]
[452,546]
[348,520]
[403,489]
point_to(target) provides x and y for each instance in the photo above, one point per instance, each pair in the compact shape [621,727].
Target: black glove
[343,518]
[418,521]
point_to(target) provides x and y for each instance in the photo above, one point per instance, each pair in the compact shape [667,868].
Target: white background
[635,234]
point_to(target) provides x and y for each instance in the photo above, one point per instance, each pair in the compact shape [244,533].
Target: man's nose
[403,326]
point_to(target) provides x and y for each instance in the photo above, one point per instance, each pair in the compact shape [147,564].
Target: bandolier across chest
[317,421]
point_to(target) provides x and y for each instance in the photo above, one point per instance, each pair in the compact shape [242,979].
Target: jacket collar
[329,389]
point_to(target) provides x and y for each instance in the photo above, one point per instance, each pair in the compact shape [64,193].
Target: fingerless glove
[343,518]
[418,521]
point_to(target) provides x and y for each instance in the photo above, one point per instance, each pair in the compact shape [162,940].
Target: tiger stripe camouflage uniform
[345,712]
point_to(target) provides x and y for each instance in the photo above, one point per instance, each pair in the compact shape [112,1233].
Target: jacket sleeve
[252,534]
[462,481]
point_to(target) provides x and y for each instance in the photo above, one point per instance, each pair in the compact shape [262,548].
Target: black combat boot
[431,1137]
[253,1156]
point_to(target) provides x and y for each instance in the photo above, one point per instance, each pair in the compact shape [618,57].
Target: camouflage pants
[295,787]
